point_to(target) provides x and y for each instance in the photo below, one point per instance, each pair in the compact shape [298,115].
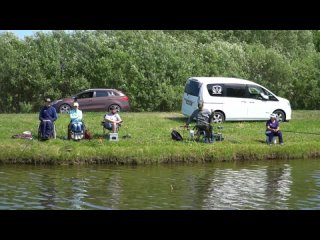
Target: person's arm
[41,115]
[272,129]
[119,119]
[278,127]
[108,119]
[80,115]
[54,115]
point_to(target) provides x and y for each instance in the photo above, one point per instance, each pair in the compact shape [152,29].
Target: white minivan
[233,99]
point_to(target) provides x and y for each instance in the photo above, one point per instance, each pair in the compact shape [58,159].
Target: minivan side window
[271,96]
[216,90]
[192,88]
[255,92]
[235,90]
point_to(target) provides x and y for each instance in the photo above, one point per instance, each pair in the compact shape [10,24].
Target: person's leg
[49,129]
[114,127]
[78,129]
[280,137]
[43,129]
[108,125]
[208,133]
[270,137]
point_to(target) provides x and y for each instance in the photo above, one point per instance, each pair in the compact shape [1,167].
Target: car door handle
[251,102]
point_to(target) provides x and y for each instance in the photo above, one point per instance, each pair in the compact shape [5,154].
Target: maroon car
[98,99]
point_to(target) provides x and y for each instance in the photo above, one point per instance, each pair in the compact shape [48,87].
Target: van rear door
[190,97]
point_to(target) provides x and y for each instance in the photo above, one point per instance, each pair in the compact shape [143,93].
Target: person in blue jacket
[273,129]
[47,116]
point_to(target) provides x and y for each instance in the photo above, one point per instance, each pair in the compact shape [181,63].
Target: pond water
[275,184]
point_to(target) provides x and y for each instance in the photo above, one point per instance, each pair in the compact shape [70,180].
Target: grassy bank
[151,142]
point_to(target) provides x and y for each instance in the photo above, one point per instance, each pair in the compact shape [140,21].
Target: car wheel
[218,117]
[281,116]
[64,108]
[116,106]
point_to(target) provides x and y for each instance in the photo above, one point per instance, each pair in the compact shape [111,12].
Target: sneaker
[281,143]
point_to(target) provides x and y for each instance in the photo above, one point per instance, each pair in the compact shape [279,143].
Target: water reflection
[257,185]
[260,187]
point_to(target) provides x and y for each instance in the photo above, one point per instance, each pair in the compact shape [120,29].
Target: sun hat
[273,115]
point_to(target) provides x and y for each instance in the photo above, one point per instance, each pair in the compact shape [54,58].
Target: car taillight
[125,98]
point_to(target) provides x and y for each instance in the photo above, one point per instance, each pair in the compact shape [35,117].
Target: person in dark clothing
[47,116]
[203,118]
[273,129]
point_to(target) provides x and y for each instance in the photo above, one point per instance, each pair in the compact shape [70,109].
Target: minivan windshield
[192,88]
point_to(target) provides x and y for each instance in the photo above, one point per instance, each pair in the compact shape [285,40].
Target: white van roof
[221,80]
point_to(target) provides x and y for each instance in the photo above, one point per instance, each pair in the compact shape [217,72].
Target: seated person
[273,129]
[76,118]
[112,120]
[47,116]
[203,118]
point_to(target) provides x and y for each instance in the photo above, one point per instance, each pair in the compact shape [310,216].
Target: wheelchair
[76,135]
[52,135]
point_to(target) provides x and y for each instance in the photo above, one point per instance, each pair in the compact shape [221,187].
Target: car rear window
[102,94]
[192,88]
[115,93]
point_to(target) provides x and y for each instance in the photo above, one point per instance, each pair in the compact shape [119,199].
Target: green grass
[151,142]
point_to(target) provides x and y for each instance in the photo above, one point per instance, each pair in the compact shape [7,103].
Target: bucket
[191,134]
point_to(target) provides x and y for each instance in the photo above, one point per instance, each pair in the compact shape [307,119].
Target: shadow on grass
[260,141]
[181,120]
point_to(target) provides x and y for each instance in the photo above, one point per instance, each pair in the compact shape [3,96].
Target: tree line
[151,67]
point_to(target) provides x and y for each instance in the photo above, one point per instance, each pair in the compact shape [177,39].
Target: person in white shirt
[112,120]
[76,118]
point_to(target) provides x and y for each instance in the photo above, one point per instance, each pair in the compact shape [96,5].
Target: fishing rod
[301,132]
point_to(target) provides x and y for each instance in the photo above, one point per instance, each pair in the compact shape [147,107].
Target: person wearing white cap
[76,118]
[273,129]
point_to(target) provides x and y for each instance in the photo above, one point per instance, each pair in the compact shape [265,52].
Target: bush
[25,107]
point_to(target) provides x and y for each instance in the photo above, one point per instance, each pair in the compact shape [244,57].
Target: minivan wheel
[64,108]
[116,106]
[218,117]
[281,115]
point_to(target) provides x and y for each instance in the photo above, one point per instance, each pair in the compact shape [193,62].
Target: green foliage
[25,107]
[151,67]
